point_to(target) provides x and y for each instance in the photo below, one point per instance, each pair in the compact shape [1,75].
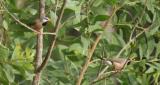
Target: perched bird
[38,24]
[118,63]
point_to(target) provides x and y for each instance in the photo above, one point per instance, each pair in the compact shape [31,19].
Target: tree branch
[39,49]
[103,77]
[50,49]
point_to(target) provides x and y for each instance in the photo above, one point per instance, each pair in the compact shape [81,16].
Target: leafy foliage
[135,25]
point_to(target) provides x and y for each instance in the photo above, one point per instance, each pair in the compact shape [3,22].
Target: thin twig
[126,46]
[48,33]
[49,52]
[103,77]
[103,71]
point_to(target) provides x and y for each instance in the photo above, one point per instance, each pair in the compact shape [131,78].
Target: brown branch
[39,49]
[88,60]
[50,49]
[90,52]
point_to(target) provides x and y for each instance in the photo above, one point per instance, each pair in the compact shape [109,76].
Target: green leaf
[29,53]
[148,18]
[5,24]
[95,29]
[3,77]
[62,47]
[111,2]
[151,46]
[53,1]
[33,11]
[154,30]
[4,52]
[157,49]
[9,73]
[53,17]
[150,70]
[85,43]
[76,48]
[97,3]
[101,17]
[17,53]
[99,10]
[73,5]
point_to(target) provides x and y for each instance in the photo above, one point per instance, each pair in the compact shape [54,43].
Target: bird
[118,63]
[38,24]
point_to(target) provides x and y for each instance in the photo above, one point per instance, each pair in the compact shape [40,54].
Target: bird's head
[45,20]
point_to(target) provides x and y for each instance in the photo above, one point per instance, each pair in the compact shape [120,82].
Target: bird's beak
[49,20]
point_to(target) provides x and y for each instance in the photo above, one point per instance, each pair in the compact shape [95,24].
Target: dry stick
[49,52]
[39,49]
[90,52]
